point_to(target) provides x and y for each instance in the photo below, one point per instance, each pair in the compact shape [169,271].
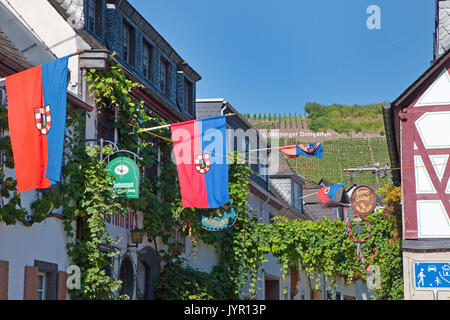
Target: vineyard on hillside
[341,119]
[356,139]
[344,154]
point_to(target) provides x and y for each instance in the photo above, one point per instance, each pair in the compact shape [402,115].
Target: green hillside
[345,119]
[339,152]
[337,117]
[344,154]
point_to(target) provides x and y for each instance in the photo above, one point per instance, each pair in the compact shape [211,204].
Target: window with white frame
[41,286]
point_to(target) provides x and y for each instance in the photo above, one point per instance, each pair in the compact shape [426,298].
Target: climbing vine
[11,209]
[86,198]
[317,247]
[325,247]
[160,200]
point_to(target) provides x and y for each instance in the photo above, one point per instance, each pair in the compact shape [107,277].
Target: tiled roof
[60,7]
[318,212]
[137,19]
[279,189]
[443,31]
[8,49]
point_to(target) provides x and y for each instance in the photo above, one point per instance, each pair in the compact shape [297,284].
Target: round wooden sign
[363,201]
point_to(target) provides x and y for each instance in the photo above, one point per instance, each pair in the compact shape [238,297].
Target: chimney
[442,28]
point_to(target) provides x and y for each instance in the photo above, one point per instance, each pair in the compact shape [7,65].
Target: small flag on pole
[37,103]
[310,150]
[200,149]
[328,196]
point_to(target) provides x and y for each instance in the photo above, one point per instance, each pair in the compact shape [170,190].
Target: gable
[438,93]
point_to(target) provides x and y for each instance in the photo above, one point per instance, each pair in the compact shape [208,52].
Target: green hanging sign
[126,173]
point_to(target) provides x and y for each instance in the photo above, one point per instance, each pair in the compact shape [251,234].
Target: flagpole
[75,54]
[265,149]
[168,125]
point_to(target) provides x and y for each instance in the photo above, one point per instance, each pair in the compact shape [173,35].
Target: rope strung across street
[278,165]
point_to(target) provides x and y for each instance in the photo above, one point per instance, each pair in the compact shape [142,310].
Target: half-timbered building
[418,135]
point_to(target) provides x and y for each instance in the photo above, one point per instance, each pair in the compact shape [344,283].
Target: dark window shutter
[31,283]
[4,277]
[62,285]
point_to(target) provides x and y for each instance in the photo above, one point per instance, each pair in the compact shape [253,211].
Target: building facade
[419,142]
[265,201]
[33,256]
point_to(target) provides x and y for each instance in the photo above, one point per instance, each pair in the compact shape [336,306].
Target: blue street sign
[431,275]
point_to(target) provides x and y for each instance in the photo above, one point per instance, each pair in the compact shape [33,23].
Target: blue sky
[276,55]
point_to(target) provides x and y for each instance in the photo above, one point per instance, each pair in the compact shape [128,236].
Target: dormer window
[128,43]
[165,76]
[94,16]
[297,196]
[188,97]
[147,60]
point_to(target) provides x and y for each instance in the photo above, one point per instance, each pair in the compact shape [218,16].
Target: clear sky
[276,55]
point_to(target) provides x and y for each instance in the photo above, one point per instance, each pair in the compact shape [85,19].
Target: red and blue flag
[200,150]
[37,103]
[310,150]
[328,196]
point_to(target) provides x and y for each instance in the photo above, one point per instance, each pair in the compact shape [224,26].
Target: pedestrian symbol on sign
[421,276]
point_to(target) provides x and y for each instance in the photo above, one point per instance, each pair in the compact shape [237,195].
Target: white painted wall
[357,289]
[46,241]
[21,245]
[50,27]
[202,258]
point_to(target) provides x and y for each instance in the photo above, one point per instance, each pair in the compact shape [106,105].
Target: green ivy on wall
[11,209]
[86,197]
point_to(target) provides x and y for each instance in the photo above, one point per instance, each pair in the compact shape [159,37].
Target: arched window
[149,265]
[127,276]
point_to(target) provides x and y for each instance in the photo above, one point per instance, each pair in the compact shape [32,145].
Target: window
[41,287]
[263,168]
[246,149]
[165,76]
[188,97]
[126,274]
[271,216]
[94,16]
[128,43]
[153,171]
[105,125]
[272,288]
[334,295]
[47,281]
[147,60]
[297,201]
